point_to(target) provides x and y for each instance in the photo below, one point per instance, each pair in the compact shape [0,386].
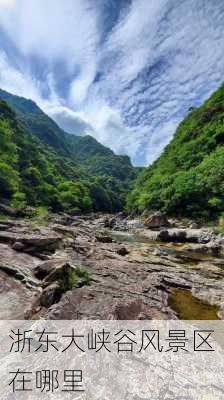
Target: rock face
[12,212]
[17,282]
[61,274]
[56,278]
[156,220]
[130,310]
[15,212]
[22,238]
[131,280]
[179,235]
[185,235]
[50,295]
[47,268]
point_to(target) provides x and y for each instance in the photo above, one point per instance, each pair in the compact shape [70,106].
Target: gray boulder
[156,221]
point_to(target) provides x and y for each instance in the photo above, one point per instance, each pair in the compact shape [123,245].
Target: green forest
[188,178]
[41,165]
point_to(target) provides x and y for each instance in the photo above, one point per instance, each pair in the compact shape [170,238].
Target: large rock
[66,219]
[12,212]
[185,235]
[104,238]
[57,277]
[50,295]
[64,274]
[17,284]
[16,212]
[110,222]
[213,248]
[122,251]
[135,286]
[63,229]
[45,268]
[32,243]
[4,227]
[55,266]
[156,220]
[14,297]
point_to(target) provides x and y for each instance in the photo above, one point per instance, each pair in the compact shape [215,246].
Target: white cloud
[7,3]
[52,29]
[72,122]
[80,85]
[15,81]
[133,38]
[165,59]
[132,87]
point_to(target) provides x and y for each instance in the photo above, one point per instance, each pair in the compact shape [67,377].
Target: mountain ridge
[188,178]
[26,108]
[106,177]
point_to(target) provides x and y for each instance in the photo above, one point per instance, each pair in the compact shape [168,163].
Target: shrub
[9,180]
[18,200]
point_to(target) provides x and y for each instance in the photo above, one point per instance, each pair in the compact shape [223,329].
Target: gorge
[85,235]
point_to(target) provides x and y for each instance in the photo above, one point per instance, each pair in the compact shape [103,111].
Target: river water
[183,302]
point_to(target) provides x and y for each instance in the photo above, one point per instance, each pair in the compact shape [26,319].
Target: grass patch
[219,229]
[40,217]
[3,217]
[79,274]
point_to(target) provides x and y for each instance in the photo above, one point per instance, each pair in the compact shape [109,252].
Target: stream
[132,276]
[183,302]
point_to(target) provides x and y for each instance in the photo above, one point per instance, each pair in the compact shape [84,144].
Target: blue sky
[125,71]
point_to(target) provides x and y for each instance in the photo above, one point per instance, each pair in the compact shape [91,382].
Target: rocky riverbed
[110,267]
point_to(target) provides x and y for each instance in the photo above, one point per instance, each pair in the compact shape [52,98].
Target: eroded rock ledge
[122,277]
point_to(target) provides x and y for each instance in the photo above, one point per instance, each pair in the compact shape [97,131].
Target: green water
[189,307]
[176,249]
[125,237]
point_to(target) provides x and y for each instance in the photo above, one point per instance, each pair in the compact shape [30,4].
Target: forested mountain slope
[62,162]
[32,173]
[188,178]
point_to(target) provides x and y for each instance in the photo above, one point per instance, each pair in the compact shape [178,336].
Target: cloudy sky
[125,71]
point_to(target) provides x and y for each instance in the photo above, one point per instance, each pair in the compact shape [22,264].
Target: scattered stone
[156,220]
[63,274]
[46,268]
[104,239]
[12,212]
[29,286]
[66,219]
[19,275]
[10,270]
[18,246]
[65,230]
[185,235]
[133,286]
[47,242]
[50,295]
[109,222]
[3,227]
[122,251]
[194,225]
[135,224]
[16,212]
